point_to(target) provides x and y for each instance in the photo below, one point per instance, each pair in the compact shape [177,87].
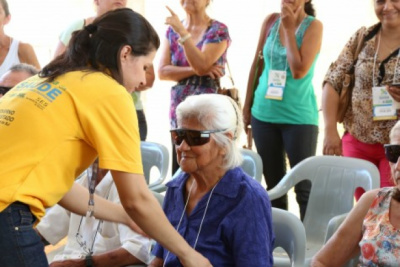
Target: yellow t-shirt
[51,132]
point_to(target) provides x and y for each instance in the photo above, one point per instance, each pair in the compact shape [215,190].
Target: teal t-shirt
[299,105]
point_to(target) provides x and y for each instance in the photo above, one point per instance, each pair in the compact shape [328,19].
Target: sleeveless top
[12,57]
[380,244]
[299,105]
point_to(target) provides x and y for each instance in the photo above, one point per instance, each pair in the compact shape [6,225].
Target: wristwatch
[89,261]
[184,38]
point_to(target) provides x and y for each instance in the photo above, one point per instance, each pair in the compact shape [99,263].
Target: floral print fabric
[216,33]
[358,120]
[380,244]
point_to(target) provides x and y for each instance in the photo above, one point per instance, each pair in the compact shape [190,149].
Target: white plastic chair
[154,155]
[334,180]
[333,225]
[252,164]
[290,235]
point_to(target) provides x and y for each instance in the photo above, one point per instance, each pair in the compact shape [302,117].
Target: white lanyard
[276,34]
[376,56]
[202,220]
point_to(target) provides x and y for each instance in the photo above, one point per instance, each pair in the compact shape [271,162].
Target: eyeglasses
[192,137]
[392,152]
[4,89]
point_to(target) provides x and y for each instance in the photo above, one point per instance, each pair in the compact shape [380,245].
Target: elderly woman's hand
[175,23]
[394,91]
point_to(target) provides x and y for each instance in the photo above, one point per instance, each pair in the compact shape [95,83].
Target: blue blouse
[237,229]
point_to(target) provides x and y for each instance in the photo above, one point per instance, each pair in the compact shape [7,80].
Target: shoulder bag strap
[260,59]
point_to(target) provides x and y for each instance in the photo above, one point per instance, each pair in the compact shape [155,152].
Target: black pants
[142,124]
[275,141]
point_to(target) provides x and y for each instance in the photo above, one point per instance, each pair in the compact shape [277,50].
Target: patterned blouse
[216,33]
[380,244]
[358,120]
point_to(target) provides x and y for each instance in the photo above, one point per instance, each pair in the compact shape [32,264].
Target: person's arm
[117,258]
[200,60]
[27,55]
[248,102]
[76,201]
[169,72]
[343,245]
[141,205]
[300,59]
[330,104]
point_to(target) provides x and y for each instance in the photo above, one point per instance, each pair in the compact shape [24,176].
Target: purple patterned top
[216,33]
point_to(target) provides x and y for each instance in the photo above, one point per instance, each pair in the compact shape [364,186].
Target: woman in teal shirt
[283,110]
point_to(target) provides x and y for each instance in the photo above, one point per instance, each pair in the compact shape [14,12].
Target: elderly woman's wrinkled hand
[174,22]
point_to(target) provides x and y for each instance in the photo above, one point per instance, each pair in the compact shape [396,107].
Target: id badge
[276,84]
[382,104]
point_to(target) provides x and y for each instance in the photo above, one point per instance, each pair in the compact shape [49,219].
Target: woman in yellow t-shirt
[55,124]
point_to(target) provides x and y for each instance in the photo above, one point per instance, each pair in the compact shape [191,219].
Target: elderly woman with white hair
[218,209]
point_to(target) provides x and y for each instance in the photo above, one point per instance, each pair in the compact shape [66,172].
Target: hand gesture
[175,22]
[216,71]
[289,17]
[394,92]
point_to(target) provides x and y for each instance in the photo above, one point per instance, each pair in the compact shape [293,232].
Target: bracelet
[89,260]
[184,38]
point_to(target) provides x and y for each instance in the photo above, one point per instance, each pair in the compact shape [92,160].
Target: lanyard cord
[375,58]
[276,34]
[92,172]
[202,219]
[83,244]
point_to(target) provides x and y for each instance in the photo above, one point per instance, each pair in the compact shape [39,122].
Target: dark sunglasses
[392,152]
[192,137]
[4,89]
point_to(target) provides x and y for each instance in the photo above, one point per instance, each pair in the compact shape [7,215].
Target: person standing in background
[377,68]
[103,6]
[283,109]
[193,55]
[13,51]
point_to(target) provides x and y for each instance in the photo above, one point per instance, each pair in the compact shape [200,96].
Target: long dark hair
[97,47]
[309,9]
[4,4]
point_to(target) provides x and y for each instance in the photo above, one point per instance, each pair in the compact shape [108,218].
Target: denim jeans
[20,245]
[273,142]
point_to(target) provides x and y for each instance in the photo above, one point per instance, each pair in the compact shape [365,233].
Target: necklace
[202,219]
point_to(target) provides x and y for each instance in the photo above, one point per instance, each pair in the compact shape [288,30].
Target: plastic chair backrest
[334,180]
[289,235]
[154,155]
[252,164]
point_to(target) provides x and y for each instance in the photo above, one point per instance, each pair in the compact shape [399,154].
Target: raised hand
[175,22]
